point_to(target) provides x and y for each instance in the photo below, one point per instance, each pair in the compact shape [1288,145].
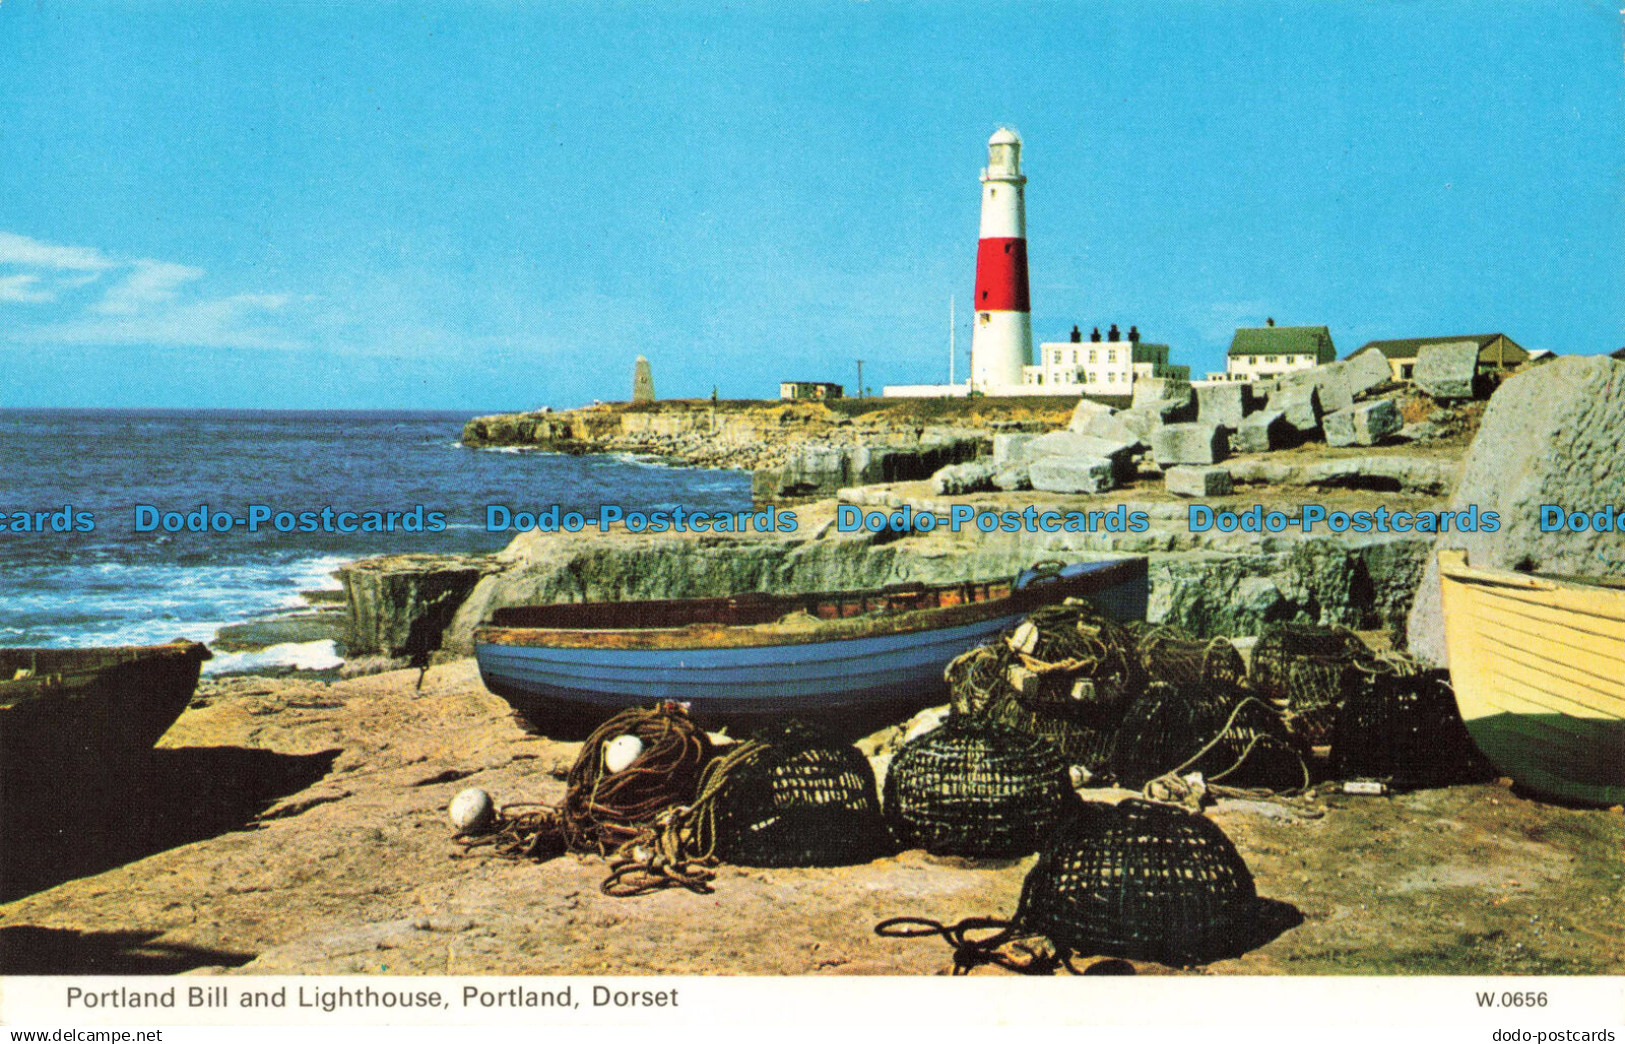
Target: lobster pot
[1403,725]
[1084,736]
[1309,671]
[1143,882]
[976,679]
[602,808]
[1167,656]
[1167,728]
[976,788]
[805,801]
[1071,654]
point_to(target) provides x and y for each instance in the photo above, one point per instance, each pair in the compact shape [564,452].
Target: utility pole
[860,378]
[950,339]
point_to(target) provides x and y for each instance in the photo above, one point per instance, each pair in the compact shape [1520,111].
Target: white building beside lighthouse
[1001,355]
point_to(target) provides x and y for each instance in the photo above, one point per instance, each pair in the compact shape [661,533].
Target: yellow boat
[1538,665]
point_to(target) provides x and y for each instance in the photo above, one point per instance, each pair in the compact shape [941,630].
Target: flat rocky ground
[289,826]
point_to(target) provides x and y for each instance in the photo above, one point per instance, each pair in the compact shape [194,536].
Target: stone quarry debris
[1365,372]
[1141,421]
[1193,443]
[1330,381]
[1072,445]
[1332,392]
[1300,404]
[1361,425]
[1226,403]
[1073,474]
[1422,431]
[974,476]
[1550,436]
[1159,401]
[1263,431]
[1009,448]
[1447,371]
[1113,429]
[1191,481]
[1163,392]
[823,467]
[1427,475]
[1085,412]
[1012,478]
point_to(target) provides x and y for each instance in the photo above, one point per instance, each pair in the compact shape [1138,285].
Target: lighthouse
[1002,337]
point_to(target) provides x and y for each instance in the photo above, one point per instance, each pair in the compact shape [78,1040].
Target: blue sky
[498,205]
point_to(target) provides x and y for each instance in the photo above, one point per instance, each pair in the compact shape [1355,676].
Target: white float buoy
[472,811]
[621,752]
[1025,638]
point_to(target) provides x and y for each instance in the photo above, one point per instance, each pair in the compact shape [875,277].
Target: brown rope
[607,812]
[602,810]
[1171,788]
[679,847]
[527,835]
[972,952]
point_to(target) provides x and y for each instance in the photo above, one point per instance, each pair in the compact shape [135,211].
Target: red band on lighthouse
[1001,276]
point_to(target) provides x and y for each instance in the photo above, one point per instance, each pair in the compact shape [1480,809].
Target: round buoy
[620,752]
[472,811]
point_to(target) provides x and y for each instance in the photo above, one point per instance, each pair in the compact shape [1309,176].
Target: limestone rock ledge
[1208,584]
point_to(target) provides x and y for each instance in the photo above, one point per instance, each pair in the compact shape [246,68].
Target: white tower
[1002,336]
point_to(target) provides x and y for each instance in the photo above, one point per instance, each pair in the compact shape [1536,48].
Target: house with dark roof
[1260,352]
[1496,351]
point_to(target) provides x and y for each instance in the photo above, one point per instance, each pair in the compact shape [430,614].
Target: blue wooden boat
[850,660]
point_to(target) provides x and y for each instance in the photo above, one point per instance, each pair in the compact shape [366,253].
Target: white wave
[645,460]
[302,656]
[316,574]
[140,604]
[145,632]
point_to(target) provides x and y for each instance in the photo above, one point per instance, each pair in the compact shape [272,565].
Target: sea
[108,582]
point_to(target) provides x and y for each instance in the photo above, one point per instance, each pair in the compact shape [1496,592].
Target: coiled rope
[1172,788]
[679,848]
[603,811]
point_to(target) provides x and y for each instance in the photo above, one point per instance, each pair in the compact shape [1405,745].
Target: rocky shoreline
[795,449]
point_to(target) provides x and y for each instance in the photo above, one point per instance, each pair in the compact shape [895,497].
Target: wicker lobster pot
[1143,882]
[976,788]
[1166,655]
[1309,671]
[1070,655]
[1403,725]
[1084,736]
[1167,728]
[803,801]
[980,689]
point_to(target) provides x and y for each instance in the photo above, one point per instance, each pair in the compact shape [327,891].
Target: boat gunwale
[715,635]
[101,659]
[734,636]
[1453,564]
